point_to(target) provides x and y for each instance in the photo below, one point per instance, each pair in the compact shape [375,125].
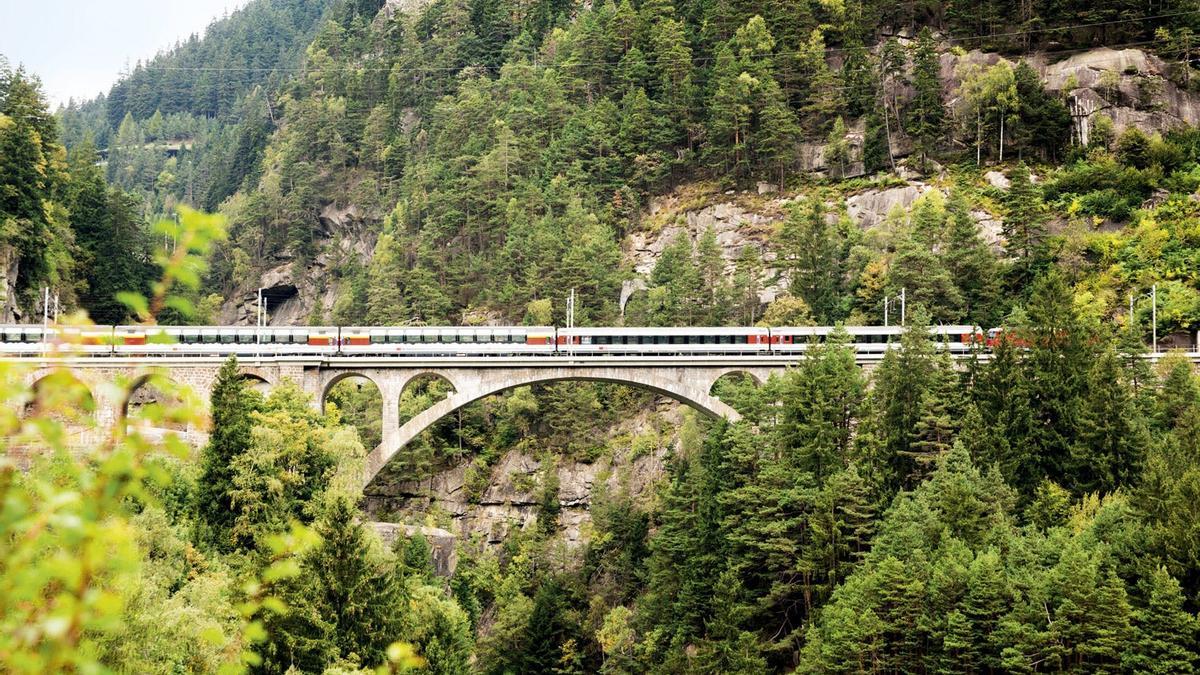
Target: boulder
[997,180]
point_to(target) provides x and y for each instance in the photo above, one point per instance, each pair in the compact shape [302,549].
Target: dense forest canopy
[1028,510]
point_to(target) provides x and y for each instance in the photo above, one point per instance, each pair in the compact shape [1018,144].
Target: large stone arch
[686,385]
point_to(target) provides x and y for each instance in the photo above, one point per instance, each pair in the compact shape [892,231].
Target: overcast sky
[78,47]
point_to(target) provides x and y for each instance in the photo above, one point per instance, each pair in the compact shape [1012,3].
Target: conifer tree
[814,255]
[901,381]
[1112,439]
[936,421]
[355,598]
[728,647]
[821,400]
[972,266]
[1057,365]
[385,286]
[926,111]
[1024,222]
[1164,637]
[231,405]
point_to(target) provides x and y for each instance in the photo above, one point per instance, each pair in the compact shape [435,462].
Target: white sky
[79,47]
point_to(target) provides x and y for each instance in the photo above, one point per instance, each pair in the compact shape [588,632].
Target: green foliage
[231,404]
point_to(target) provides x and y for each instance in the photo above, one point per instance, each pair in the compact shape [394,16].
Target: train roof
[649,330]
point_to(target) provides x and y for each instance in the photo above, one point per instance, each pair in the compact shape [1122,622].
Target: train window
[245,338]
[466,337]
[378,339]
[227,338]
[395,338]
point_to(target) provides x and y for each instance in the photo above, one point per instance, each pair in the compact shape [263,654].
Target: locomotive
[454,341]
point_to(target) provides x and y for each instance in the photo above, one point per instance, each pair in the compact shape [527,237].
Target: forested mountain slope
[706,162]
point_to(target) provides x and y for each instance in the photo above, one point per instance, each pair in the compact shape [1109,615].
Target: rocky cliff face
[294,293]
[510,499]
[9,267]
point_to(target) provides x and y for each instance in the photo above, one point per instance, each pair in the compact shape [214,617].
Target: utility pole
[571,309]
[45,317]
[887,300]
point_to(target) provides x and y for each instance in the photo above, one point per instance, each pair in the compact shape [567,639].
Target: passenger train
[32,340]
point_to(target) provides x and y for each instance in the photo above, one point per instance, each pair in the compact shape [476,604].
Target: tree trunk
[978,136]
[1002,137]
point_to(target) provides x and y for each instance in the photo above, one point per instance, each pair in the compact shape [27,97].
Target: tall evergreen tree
[1164,633]
[814,254]
[231,405]
[927,113]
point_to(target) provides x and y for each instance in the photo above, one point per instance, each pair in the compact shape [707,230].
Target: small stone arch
[150,389]
[423,384]
[360,401]
[256,381]
[332,381]
[733,385]
[737,374]
[61,394]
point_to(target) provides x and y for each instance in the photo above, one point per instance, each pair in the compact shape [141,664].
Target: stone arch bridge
[687,379]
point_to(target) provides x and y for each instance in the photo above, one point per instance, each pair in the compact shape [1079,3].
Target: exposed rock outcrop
[294,293]
[441,543]
[9,267]
[510,499]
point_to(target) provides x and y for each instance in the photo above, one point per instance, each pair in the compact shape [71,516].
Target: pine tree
[926,111]
[385,285]
[971,265]
[821,401]
[901,381]
[712,298]
[924,278]
[1112,439]
[358,596]
[778,133]
[1024,223]
[231,405]
[936,419]
[1059,359]
[728,648]
[1164,638]
[837,151]
[730,108]
[813,253]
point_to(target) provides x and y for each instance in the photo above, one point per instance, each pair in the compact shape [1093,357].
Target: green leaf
[135,302]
